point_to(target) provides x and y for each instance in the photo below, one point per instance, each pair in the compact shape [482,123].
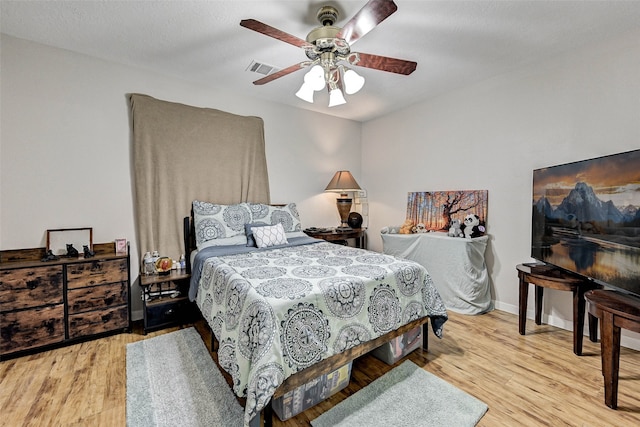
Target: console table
[456,265]
[615,311]
[545,276]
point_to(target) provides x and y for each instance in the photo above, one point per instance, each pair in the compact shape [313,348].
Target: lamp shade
[342,181]
[315,78]
[306,92]
[353,82]
[336,97]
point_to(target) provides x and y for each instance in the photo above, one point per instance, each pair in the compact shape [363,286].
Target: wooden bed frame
[325,366]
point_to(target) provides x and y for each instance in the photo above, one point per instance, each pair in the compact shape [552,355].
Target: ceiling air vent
[260,68]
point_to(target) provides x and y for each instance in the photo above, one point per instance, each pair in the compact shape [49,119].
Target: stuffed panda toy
[471,226]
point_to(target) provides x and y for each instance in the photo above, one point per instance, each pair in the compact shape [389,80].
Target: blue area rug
[405,396]
[172,381]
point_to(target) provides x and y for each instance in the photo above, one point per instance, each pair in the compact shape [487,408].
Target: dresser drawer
[94,297]
[22,330]
[96,273]
[30,287]
[98,321]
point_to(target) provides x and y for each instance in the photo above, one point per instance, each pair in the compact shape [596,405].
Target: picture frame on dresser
[121,246]
[59,238]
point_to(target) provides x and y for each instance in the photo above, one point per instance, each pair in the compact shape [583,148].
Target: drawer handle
[169,312]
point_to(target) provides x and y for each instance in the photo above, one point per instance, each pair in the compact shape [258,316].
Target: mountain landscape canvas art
[586,218]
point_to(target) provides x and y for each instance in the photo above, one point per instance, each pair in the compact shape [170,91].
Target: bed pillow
[286,215]
[218,225]
[270,235]
[251,242]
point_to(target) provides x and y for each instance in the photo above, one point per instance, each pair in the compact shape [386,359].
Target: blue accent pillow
[251,241]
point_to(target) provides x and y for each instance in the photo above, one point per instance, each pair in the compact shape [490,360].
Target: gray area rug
[405,396]
[172,381]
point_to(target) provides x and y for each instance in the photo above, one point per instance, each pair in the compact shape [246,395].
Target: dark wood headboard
[189,239]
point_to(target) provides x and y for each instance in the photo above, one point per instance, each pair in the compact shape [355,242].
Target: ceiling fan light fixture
[326,46]
[353,82]
[305,92]
[336,97]
[315,78]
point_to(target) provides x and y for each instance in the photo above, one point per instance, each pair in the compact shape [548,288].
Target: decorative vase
[354,220]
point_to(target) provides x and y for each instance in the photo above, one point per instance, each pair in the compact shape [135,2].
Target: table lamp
[342,182]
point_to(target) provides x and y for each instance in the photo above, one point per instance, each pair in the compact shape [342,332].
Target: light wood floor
[531,380]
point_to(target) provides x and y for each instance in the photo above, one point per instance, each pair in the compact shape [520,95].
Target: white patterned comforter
[278,311]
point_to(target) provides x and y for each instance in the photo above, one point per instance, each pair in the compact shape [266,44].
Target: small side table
[165,300]
[545,276]
[359,234]
[615,311]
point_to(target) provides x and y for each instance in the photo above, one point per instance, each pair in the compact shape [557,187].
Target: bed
[286,308]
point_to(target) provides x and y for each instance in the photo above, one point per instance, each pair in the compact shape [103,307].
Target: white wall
[492,135]
[65,145]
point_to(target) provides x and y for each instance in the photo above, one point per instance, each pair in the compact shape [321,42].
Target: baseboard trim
[628,339]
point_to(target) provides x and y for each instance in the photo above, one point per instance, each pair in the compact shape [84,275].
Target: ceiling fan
[328,49]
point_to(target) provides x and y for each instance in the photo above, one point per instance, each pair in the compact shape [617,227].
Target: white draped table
[456,264]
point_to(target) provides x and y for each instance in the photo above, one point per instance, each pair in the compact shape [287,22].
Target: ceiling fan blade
[270,31]
[366,19]
[282,73]
[384,63]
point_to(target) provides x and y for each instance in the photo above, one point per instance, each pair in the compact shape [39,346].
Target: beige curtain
[183,153]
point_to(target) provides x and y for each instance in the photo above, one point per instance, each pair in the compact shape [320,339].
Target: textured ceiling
[455,43]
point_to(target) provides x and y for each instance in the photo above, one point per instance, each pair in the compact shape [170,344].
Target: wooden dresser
[44,304]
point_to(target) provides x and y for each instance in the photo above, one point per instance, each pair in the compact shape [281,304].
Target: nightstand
[332,235]
[165,300]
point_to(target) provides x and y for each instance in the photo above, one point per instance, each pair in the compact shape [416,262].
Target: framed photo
[58,239]
[121,246]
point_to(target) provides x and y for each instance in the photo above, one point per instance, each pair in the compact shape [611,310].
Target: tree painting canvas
[436,209]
